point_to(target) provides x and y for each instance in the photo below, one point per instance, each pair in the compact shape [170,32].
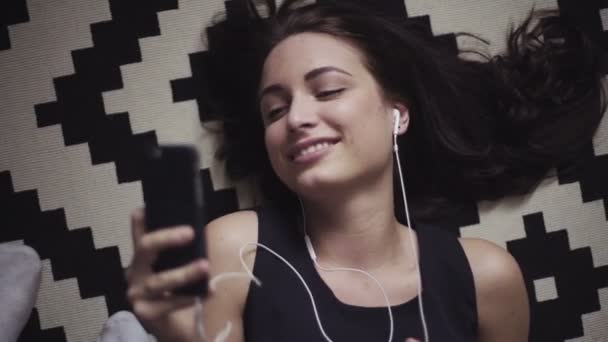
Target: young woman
[333,88]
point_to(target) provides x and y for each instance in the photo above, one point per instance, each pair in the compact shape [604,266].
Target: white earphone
[396,117]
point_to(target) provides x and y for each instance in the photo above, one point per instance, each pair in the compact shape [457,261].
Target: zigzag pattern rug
[85,83]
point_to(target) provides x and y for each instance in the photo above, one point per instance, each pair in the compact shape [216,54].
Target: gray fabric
[123,326]
[19,283]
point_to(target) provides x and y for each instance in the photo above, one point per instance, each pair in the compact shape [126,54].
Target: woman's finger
[141,234]
[138,225]
[149,310]
[156,285]
[149,245]
[165,238]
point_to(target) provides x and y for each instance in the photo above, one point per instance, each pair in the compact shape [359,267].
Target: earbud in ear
[396,117]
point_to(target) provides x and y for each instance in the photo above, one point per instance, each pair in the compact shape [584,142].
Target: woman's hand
[168,316]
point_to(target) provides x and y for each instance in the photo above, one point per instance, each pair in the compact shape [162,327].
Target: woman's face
[327,122]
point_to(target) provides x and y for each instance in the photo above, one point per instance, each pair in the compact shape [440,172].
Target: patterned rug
[85,83]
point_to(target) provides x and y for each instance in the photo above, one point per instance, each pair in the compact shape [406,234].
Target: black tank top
[281,310]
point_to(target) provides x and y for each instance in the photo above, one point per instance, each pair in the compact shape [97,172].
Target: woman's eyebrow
[312,74]
[319,71]
[274,88]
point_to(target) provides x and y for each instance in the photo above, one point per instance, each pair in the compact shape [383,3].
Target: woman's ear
[404,118]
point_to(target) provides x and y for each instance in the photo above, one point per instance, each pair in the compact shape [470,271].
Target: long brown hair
[478,129]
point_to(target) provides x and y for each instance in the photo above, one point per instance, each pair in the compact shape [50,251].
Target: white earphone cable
[313,256]
[414,249]
[249,274]
[312,299]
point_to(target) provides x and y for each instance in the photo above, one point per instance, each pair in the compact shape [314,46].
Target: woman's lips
[311,150]
[313,153]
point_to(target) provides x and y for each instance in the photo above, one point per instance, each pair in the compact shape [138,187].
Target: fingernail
[203,265]
[186,231]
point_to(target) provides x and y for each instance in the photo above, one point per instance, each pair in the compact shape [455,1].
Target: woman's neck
[360,232]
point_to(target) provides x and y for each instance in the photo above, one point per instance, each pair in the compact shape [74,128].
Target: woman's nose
[301,115]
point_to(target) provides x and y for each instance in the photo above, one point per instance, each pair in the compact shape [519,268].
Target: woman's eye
[274,113]
[328,93]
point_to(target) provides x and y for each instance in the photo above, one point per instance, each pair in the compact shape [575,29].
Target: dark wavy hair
[478,129]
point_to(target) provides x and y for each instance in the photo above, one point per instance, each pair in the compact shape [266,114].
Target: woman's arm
[502,301]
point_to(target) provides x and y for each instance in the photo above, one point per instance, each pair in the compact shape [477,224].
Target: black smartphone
[173,195]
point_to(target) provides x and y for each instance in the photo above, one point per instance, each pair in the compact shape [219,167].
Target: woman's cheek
[273,148]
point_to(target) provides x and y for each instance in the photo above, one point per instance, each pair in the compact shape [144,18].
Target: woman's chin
[318,185]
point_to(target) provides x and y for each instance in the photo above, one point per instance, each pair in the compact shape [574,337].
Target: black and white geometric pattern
[13,12]
[85,83]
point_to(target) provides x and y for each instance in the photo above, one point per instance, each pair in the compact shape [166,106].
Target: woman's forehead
[302,52]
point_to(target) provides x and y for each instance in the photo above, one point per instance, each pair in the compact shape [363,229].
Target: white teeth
[312,148]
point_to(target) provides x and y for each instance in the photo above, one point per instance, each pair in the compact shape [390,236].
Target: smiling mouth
[312,149]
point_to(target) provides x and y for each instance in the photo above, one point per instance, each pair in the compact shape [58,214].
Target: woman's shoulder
[491,264]
[234,228]
[502,300]
[225,238]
